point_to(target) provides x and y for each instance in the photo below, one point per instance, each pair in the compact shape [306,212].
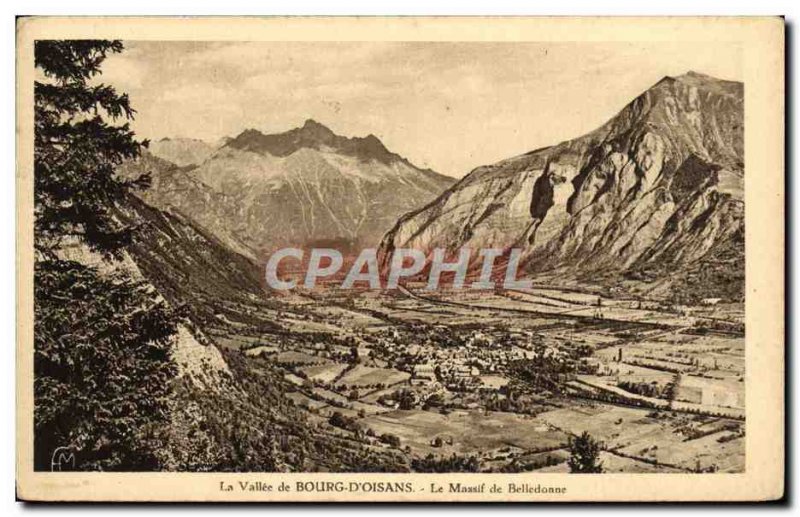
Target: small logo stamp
[63,459]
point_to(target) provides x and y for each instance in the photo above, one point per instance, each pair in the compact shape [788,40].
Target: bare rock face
[655,191]
[308,185]
[203,365]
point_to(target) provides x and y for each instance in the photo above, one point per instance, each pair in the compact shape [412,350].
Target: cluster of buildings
[458,362]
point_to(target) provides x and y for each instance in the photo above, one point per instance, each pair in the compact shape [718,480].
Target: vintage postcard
[400,259]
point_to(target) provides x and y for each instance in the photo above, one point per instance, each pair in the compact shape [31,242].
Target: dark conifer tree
[584,453]
[102,365]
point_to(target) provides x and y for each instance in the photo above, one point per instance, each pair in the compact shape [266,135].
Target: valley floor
[504,379]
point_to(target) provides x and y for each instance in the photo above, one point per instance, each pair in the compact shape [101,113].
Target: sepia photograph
[498,261]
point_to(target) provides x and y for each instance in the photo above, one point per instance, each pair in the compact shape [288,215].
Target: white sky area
[448,106]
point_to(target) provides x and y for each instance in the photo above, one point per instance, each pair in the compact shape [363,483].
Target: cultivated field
[368,376]
[467,432]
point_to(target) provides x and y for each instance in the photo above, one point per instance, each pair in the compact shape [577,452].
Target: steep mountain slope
[189,269]
[653,193]
[229,412]
[188,265]
[176,191]
[259,191]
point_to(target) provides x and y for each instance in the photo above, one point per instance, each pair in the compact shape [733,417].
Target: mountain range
[258,191]
[652,200]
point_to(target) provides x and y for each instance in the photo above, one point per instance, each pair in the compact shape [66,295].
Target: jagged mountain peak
[689,76]
[698,77]
[312,125]
[249,132]
[313,131]
[310,130]
[701,82]
[696,113]
[692,74]
[373,145]
[694,83]
[313,135]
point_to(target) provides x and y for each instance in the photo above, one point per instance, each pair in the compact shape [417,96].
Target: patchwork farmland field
[368,376]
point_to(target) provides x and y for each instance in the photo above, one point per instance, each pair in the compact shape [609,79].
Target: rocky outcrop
[656,189]
[201,364]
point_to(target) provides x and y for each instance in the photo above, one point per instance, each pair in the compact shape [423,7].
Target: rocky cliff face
[258,192]
[653,195]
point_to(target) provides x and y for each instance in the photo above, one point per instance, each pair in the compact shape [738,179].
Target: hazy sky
[447,106]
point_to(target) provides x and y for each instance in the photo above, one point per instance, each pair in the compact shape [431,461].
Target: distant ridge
[313,135]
